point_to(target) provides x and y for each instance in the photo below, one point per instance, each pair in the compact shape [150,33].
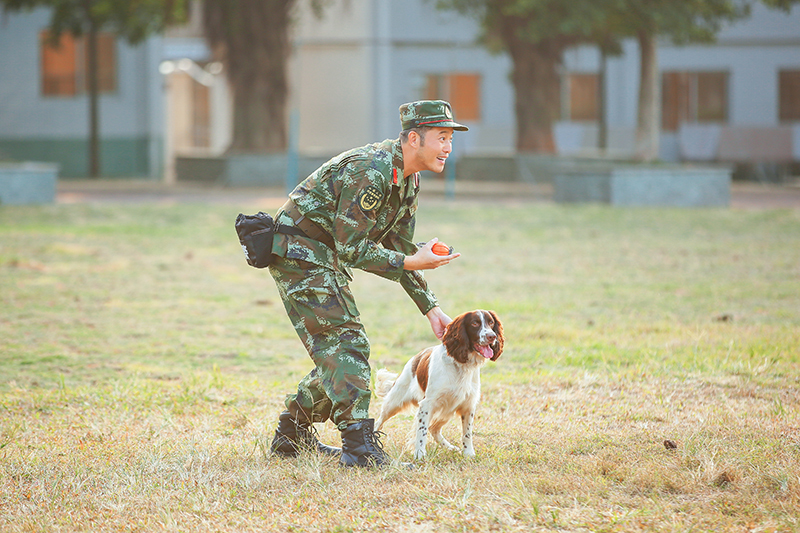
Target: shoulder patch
[370,198]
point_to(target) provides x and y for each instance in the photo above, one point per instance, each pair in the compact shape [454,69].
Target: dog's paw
[468,452]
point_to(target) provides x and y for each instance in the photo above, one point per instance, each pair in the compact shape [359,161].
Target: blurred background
[260,92]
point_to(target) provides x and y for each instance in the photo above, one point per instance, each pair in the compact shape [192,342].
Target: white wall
[354,68]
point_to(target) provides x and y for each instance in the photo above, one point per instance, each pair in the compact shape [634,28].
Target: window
[693,97]
[789,96]
[462,90]
[582,97]
[64,65]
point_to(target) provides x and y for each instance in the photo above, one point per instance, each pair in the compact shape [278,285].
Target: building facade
[734,101]
[350,70]
[44,105]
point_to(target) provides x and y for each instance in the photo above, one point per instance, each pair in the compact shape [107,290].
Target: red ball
[441,248]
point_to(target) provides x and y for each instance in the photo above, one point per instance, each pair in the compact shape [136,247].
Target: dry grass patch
[577,457]
[144,366]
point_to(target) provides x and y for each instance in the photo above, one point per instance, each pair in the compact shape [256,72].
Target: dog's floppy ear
[456,340]
[497,347]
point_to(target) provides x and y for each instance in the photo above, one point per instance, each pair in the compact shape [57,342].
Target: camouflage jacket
[362,200]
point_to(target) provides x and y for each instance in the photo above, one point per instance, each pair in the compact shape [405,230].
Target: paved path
[744,195]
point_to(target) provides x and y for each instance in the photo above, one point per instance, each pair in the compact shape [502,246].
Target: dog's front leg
[467,420]
[423,423]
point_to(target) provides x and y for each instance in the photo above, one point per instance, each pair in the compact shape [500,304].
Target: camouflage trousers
[324,314]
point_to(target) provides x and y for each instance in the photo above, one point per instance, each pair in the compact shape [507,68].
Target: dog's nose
[491,336]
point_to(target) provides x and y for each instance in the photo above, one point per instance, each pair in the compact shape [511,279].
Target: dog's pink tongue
[486,351]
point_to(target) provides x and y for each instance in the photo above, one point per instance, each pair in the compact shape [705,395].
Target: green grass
[143,365]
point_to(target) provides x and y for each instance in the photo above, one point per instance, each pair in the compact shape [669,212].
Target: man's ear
[413,138]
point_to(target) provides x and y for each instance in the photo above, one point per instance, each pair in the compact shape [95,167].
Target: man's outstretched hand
[425,259]
[439,321]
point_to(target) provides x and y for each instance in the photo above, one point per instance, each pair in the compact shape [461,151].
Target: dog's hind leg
[400,396]
[388,410]
[436,432]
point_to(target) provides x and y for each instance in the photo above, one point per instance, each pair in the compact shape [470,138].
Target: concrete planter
[643,185]
[486,168]
[200,169]
[521,167]
[28,183]
[255,170]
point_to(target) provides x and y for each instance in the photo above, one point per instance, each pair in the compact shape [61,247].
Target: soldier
[356,211]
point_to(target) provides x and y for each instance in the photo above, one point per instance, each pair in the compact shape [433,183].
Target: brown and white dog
[444,380]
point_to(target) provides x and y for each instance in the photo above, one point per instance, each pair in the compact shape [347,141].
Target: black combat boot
[293,435]
[361,446]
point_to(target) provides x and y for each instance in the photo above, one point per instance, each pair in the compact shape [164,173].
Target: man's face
[435,148]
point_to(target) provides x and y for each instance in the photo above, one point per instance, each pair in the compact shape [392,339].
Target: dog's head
[476,332]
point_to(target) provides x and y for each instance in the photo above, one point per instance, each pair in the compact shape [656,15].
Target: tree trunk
[93,85]
[648,123]
[251,38]
[537,94]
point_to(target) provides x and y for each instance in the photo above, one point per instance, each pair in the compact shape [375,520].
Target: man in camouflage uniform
[357,211]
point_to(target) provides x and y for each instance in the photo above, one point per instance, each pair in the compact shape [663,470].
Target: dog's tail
[384,381]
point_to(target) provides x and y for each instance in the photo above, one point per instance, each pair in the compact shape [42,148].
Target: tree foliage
[132,20]
[687,21]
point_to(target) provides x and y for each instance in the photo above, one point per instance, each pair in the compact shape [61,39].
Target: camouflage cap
[428,113]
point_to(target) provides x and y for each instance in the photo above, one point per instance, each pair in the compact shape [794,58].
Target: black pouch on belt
[256,233]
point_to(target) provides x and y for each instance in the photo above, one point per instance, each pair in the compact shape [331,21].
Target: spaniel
[444,380]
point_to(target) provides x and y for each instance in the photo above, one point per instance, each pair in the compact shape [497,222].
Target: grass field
[143,365]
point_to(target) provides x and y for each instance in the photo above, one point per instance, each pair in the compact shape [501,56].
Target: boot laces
[374,439]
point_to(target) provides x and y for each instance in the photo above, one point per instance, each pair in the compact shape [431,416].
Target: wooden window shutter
[465,96]
[64,66]
[106,62]
[583,97]
[58,65]
[712,97]
[462,90]
[673,100]
[789,95]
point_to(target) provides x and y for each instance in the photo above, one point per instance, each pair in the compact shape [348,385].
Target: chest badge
[370,198]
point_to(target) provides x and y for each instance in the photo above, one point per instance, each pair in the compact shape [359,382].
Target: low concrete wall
[642,185]
[246,170]
[200,169]
[243,170]
[522,167]
[486,168]
[573,179]
[270,170]
[28,183]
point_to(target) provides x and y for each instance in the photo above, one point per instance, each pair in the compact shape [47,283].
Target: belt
[308,227]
